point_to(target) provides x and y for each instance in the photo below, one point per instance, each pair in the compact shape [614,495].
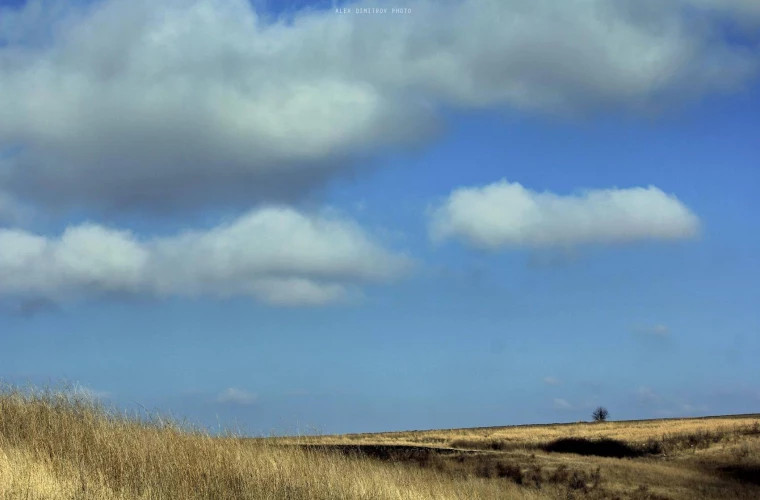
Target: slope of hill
[59,446]
[708,457]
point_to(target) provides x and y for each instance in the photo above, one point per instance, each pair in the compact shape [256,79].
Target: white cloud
[552,381]
[137,103]
[505,214]
[277,255]
[562,404]
[236,396]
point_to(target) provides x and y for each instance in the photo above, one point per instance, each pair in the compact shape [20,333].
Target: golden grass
[58,446]
[531,436]
[702,458]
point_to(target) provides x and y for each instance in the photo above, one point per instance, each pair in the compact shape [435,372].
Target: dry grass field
[715,457]
[59,446]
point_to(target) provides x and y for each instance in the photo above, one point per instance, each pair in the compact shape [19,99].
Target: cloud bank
[119,104]
[276,255]
[505,214]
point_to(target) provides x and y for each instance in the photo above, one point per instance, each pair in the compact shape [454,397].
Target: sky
[296,217]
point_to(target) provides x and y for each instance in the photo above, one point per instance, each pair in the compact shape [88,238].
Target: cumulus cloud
[277,255]
[236,396]
[505,214]
[552,381]
[138,103]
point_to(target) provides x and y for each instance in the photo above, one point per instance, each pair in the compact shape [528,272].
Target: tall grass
[56,445]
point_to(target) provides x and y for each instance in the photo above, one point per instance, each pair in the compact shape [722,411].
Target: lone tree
[600,414]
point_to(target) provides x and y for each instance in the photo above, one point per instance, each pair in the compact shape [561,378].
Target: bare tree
[600,414]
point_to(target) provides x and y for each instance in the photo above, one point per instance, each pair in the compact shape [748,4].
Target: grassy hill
[57,446]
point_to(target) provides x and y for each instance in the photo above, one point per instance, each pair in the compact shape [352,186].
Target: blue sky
[344,223]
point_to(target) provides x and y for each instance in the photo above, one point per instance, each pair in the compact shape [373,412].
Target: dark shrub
[600,414]
[534,476]
[577,481]
[560,475]
[652,447]
[510,471]
[599,448]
